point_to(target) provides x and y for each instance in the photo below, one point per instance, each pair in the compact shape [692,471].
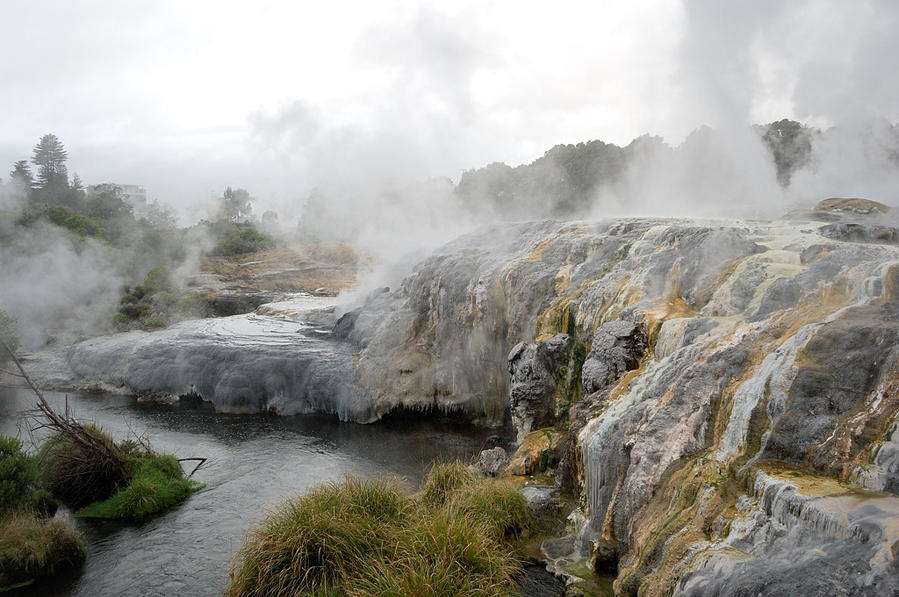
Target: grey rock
[533,369]
[616,349]
[492,461]
[861,233]
[546,507]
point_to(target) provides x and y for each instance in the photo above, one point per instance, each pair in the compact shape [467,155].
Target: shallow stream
[254,462]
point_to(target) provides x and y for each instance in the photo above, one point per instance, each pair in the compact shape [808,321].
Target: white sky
[187,97]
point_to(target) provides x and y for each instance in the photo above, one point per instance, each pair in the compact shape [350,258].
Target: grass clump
[80,472]
[499,506]
[308,545]
[155,484]
[124,480]
[443,481]
[32,547]
[366,538]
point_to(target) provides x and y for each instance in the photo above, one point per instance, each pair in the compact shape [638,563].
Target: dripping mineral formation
[721,397]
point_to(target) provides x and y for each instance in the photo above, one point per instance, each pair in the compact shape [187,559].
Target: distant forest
[566,178]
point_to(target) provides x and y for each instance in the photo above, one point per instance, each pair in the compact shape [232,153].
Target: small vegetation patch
[82,466]
[105,479]
[32,547]
[155,484]
[367,537]
[157,302]
[238,239]
[19,480]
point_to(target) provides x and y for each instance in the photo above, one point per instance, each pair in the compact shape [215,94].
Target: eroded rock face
[534,369]
[617,348]
[861,233]
[708,350]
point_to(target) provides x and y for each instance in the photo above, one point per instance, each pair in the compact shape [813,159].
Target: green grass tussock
[31,545]
[78,475]
[366,537]
[125,480]
[306,546]
[498,505]
[443,480]
[156,484]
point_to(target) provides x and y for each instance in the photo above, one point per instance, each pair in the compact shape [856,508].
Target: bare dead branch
[201,463]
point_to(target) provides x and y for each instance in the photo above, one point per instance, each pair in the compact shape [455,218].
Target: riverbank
[255,462]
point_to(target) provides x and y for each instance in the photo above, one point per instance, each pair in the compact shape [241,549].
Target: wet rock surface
[616,349]
[269,361]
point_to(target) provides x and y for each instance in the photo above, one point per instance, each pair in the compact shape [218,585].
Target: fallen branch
[201,463]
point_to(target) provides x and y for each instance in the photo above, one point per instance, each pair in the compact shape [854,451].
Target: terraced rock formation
[729,390]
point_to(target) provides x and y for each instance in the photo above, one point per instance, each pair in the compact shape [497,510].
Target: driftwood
[201,462]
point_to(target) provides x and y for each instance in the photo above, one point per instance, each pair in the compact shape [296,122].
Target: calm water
[255,462]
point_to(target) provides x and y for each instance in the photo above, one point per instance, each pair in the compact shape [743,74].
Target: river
[254,462]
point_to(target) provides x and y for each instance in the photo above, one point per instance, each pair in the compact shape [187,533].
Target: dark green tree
[104,204]
[21,174]
[50,158]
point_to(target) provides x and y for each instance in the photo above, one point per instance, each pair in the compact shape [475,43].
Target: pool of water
[254,463]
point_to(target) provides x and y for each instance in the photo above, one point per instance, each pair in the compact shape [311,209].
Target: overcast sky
[186,97]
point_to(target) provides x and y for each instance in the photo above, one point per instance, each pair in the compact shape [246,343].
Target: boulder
[534,369]
[492,461]
[536,454]
[616,349]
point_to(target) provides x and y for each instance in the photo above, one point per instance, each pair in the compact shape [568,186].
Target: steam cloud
[438,91]
[56,292]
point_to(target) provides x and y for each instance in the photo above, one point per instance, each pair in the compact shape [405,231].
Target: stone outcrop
[535,370]
[617,348]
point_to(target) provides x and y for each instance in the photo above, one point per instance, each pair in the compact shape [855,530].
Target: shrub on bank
[31,545]
[105,479]
[366,537]
[19,480]
[155,483]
